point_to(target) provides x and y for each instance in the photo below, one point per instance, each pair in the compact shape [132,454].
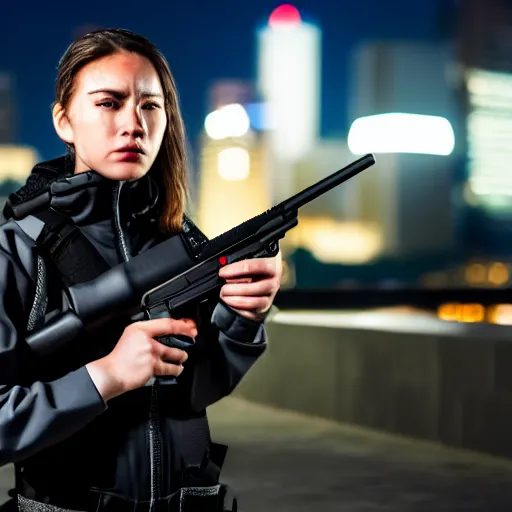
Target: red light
[223,260]
[285,14]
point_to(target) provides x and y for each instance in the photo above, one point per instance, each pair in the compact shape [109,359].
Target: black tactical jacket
[72,449]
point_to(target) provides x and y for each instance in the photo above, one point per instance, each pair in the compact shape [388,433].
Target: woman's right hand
[137,356]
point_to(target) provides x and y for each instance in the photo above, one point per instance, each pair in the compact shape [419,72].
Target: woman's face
[116,118]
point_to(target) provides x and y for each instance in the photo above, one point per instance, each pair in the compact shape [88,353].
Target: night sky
[203,40]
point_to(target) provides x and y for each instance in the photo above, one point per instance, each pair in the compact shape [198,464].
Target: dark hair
[171,162]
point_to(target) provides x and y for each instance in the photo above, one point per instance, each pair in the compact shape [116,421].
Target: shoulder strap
[33,227]
[58,239]
[64,254]
[70,253]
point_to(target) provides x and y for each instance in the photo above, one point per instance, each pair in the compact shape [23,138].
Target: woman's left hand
[251,285]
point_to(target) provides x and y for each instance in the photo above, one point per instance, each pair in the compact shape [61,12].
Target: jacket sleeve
[230,347]
[33,415]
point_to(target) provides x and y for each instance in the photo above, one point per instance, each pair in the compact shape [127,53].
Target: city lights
[489,130]
[466,313]
[284,16]
[233,164]
[401,133]
[228,121]
[16,161]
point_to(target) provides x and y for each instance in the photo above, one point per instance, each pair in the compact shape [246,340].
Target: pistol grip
[177,341]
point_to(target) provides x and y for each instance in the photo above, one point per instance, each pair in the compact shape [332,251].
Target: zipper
[122,246]
[155,443]
[154,433]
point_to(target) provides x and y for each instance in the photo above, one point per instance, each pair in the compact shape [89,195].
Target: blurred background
[277,96]
[395,309]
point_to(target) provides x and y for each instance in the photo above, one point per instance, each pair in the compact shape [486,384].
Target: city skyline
[199,50]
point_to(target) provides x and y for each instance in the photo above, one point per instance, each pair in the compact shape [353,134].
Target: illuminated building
[289,59]
[233,182]
[409,120]
[485,90]
[330,227]
[16,162]
[489,131]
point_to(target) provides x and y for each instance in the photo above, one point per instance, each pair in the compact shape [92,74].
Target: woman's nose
[132,122]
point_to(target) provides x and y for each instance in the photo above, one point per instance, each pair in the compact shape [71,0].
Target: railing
[362,298]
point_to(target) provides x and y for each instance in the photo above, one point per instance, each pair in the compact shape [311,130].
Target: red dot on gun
[223,260]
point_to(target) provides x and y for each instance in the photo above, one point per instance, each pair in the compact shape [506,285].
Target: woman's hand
[251,285]
[137,356]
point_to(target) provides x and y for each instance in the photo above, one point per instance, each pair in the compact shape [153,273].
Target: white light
[233,164]
[228,121]
[489,129]
[401,133]
[489,83]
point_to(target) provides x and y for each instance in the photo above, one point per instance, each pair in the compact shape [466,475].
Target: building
[289,79]
[404,109]
[331,226]
[16,162]
[233,183]
[485,92]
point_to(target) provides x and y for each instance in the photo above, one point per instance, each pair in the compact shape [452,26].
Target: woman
[102,424]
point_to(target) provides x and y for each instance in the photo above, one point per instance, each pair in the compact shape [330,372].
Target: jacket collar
[87,197]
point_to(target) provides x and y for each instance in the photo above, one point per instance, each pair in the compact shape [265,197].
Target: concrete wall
[414,376]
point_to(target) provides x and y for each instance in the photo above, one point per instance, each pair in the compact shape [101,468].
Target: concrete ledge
[401,373]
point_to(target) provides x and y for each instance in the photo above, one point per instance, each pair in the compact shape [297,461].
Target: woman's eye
[107,104]
[151,106]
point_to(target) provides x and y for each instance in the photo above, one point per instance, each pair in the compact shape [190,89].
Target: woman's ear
[62,124]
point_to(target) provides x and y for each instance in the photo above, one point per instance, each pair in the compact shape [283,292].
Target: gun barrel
[323,186]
